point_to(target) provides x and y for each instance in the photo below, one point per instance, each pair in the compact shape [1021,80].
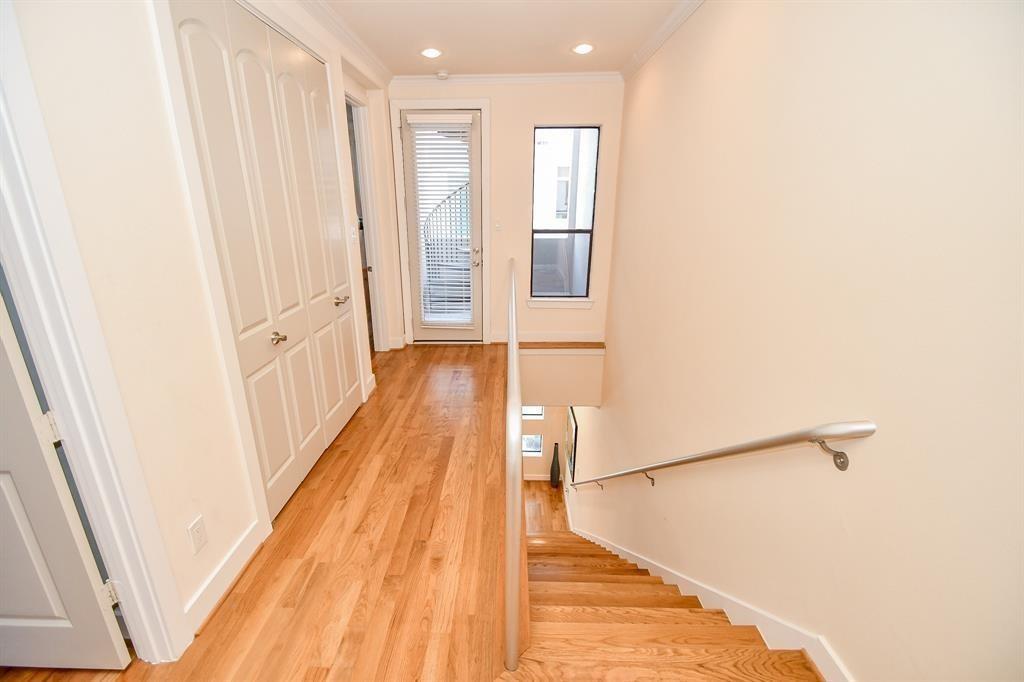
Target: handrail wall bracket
[839,457]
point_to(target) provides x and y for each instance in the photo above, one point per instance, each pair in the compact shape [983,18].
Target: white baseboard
[396,342]
[536,477]
[777,633]
[369,386]
[205,599]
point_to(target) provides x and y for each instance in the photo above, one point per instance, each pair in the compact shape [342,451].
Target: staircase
[595,616]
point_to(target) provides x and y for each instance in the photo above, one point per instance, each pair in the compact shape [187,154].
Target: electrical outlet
[197,534]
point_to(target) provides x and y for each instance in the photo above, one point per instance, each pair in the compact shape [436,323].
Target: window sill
[578,303]
[533,454]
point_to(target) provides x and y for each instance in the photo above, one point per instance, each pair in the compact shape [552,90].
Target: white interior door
[253,94]
[441,152]
[309,137]
[54,608]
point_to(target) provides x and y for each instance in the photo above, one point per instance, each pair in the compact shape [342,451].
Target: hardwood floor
[386,563]
[545,508]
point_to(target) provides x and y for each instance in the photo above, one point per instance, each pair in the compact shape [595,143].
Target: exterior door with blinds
[441,151]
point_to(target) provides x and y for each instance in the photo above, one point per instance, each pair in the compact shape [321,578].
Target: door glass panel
[441,173]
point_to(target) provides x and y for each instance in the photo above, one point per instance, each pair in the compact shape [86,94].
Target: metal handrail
[513,480]
[817,435]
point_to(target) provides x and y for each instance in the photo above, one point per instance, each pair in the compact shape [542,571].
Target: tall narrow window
[564,183]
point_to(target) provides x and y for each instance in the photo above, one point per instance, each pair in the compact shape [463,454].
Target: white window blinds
[441,176]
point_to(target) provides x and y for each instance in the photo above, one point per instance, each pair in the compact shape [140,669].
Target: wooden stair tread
[568,569]
[608,594]
[591,576]
[547,345]
[541,586]
[603,561]
[652,638]
[735,665]
[626,615]
[563,550]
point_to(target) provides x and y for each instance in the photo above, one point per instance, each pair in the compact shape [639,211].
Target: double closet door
[261,114]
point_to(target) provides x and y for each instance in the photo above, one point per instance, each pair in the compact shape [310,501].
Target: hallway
[385,562]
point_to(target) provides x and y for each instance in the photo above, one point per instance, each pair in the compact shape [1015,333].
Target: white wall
[820,219]
[552,428]
[516,107]
[99,88]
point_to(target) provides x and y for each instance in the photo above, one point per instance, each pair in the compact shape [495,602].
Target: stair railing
[818,435]
[513,482]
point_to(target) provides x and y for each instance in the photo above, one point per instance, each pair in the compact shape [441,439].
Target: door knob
[340,301]
[278,337]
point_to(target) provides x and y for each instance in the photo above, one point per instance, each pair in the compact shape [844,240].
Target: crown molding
[683,11]
[360,54]
[514,78]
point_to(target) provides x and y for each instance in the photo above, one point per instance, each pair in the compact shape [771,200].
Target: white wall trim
[683,11]
[561,303]
[777,633]
[484,105]
[206,597]
[51,291]
[513,78]
[537,477]
[371,222]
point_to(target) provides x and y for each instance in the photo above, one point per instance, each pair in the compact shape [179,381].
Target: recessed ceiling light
[583,48]
[431,53]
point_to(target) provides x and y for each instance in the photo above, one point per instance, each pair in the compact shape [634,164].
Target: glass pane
[561,264]
[533,443]
[441,165]
[564,178]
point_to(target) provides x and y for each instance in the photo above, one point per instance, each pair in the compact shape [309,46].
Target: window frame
[533,199]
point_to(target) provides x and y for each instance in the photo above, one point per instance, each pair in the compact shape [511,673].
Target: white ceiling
[508,36]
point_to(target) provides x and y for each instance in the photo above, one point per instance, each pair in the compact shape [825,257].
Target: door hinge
[109,592]
[47,427]
[54,431]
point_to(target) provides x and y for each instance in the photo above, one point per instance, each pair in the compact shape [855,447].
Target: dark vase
[556,469]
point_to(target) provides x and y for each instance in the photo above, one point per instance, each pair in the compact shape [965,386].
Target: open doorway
[357,138]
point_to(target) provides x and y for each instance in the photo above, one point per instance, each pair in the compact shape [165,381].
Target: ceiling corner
[359,54]
[683,11]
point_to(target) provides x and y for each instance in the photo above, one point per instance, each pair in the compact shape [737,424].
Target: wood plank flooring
[386,563]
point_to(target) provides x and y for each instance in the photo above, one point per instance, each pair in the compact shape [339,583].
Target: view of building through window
[533,445]
[564,183]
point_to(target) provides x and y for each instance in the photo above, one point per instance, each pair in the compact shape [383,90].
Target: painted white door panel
[52,609]
[332,397]
[347,326]
[255,97]
[251,49]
